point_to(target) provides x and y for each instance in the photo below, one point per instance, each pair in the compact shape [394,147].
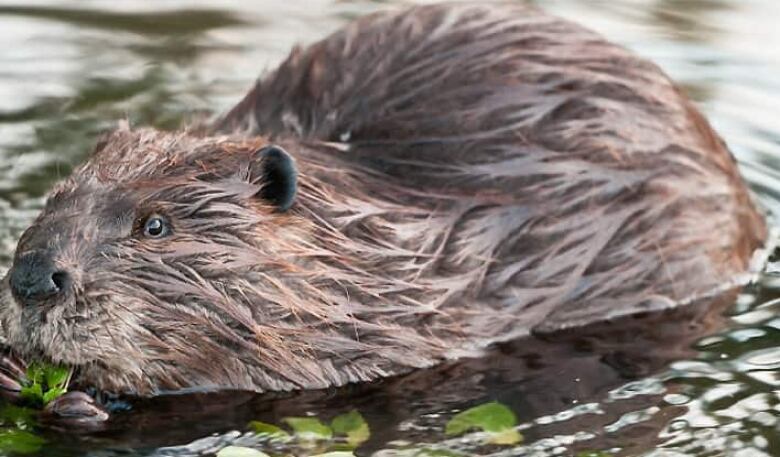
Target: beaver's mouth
[37,315]
[50,349]
[18,372]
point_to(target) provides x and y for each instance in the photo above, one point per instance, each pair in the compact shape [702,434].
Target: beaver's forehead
[131,166]
[128,155]
[81,213]
[73,200]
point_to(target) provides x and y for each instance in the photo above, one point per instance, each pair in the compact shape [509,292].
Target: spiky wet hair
[465,174]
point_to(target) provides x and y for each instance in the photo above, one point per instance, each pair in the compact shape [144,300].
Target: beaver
[413,188]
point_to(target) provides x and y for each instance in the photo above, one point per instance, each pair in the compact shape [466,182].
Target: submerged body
[413,188]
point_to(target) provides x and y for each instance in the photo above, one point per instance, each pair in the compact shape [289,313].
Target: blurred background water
[703,383]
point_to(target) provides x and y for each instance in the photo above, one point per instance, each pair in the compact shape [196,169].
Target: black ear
[277,176]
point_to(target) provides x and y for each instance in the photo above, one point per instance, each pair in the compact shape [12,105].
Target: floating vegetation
[346,432]
[336,438]
[45,383]
[495,419]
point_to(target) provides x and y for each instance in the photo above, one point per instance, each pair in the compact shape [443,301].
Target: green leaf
[56,377]
[52,394]
[274,432]
[45,383]
[436,453]
[353,426]
[18,416]
[593,454]
[240,451]
[336,454]
[17,441]
[32,393]
[493,418]
[507,437]
[35,373]
[309,428]
[340,447]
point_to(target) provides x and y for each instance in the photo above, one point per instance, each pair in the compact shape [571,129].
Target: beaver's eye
[155,227]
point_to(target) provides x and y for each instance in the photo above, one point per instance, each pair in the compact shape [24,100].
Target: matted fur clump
[413,188]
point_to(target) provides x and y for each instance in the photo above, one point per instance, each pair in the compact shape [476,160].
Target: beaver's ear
[275,170]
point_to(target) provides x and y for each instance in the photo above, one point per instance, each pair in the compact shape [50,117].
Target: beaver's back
[554,178]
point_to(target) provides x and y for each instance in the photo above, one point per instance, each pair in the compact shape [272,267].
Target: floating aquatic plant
[44,383]
[344,433]
[493,418]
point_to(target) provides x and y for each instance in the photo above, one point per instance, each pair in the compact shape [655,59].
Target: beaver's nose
[34,278]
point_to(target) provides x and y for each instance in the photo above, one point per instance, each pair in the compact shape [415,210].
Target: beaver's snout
[34,279]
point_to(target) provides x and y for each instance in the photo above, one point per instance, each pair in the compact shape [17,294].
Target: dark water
[702,381]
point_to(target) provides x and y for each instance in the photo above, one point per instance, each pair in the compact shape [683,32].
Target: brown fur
[467,174]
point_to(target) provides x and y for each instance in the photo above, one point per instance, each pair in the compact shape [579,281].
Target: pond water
[701,381]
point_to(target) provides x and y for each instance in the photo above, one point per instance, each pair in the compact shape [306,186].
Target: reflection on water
[694,382]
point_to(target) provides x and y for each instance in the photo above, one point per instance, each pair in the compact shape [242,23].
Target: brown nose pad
[34,279]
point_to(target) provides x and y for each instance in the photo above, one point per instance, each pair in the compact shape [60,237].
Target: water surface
[703,381]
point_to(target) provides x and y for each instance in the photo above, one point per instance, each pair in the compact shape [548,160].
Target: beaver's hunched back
[414,187]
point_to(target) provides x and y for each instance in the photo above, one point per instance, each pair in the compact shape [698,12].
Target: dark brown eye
[156,227]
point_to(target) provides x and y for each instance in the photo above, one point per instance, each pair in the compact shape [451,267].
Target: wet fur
[467,174]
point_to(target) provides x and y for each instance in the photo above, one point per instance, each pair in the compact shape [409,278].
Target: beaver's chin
[73,361]
[50,337]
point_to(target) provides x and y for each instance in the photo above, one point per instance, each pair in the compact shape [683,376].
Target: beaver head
[129,273]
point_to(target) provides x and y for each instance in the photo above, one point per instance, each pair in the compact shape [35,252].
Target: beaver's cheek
[11,324]
[72,338]
[94,329]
